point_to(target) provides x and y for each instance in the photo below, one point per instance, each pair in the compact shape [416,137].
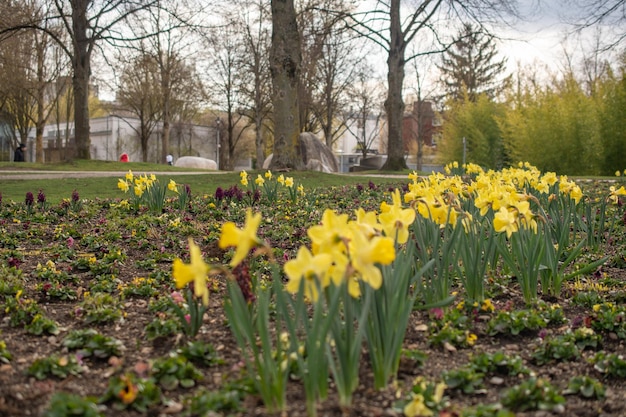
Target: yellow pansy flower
[243,239]
[417,408]
[197,271]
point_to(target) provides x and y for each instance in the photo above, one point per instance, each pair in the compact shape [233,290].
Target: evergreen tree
[471,67]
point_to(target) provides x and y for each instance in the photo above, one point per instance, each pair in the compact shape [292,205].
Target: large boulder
[196,162]
[316,156]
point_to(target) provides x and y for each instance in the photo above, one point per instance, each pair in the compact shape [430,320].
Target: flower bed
[474,293]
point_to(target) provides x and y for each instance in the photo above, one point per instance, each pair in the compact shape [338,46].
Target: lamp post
[218,125]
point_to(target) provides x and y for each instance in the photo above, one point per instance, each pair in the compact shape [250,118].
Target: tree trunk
[82,71]
[394,105]
[166,85]
[285,60]
[41,118]
[259,142]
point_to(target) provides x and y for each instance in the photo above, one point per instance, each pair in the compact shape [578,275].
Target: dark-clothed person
[20,155]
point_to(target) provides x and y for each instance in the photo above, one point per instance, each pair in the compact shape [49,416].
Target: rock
[316,156]
[196,162]
[496,380]
[449,347]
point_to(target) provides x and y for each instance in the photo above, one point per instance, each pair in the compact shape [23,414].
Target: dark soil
[23,395]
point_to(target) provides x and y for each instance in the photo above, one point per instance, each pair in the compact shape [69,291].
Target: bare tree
[168,39]
[254,21]
[87,23]
[421,110]
[583,14]
[385,26]
[366,103]
[227,74]
[338,68]
[139,94]
[29,71]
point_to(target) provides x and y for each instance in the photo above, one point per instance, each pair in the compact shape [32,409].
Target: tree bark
[285,61]
[80,80]
[394,104]
[166,85]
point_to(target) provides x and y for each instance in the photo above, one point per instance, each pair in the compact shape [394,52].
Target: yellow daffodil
[129,175]
[268,175]
[197,271]
[313,269]
[243,239]
[289,182]
[259,180]
[244,178]
[281,179]
[123,185]
[396,220]
[327,237]
[172,186]
[301,189]
[505,221]
[365,254]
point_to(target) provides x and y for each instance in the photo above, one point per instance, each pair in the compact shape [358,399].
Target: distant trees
[561,126]
[29,68]
[139,94]
[385,26]
[471,66]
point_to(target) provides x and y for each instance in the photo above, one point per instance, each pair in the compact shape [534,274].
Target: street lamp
[218,126]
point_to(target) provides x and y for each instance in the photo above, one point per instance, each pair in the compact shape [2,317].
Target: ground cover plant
[467,294]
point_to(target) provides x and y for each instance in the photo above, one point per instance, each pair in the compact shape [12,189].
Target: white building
[113,135]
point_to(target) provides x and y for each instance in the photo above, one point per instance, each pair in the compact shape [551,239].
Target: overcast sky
[542,37]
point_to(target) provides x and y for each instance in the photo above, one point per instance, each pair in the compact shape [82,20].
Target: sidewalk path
[42,175]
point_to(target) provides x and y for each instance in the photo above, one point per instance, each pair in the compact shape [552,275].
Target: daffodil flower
[243,239]
[365,254]
[122,185]
[197,271]
[313,269]
[172,186]
[505,221]
[396,220]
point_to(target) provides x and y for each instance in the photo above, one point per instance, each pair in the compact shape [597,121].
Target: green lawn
[106,187]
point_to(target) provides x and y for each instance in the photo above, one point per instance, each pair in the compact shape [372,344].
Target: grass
[106,187]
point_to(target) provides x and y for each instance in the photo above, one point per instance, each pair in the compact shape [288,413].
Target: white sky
[543,38]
